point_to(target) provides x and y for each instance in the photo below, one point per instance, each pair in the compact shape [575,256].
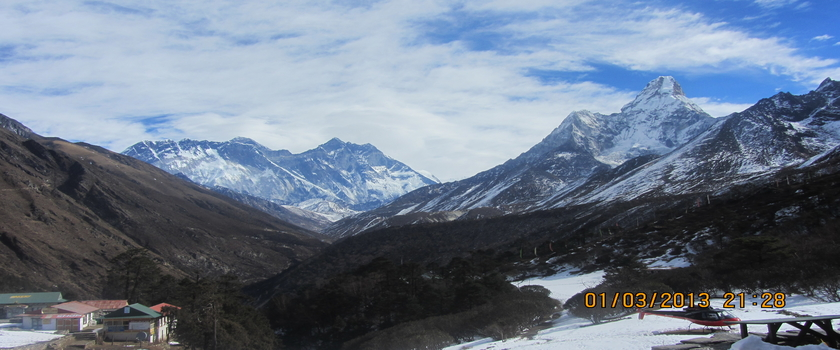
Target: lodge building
[122,322]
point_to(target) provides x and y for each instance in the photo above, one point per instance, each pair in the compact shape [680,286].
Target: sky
[448,87]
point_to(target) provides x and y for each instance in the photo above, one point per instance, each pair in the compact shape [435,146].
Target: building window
[117,326]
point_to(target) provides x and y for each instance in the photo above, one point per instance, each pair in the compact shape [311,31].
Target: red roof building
[71,316]
[106,304]
[159,307]
[76,307]
[165,309]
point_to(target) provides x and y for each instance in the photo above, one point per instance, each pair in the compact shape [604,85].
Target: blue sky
[450,87]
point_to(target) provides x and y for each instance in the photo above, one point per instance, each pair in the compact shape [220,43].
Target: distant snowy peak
[661,92]
[661,144]
[336,178]
[830,86]
[335,144]
[657,121]
[347,155]
[578,132]
[244,141]
[782,131]
[664,85]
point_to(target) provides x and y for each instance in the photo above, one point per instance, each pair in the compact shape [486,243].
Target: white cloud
[822,37]
[654,40]
[719,109]
[775,3]
[402,75]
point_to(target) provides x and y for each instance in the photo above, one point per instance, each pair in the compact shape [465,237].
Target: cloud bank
[452,88]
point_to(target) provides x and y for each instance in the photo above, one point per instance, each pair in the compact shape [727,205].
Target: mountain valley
[68,209]
[659,184]
[777,234]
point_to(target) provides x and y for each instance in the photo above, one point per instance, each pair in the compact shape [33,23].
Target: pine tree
[134,276]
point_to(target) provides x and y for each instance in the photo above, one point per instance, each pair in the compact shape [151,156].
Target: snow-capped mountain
[335,179]
[656,122]
[660,144]
[778,132]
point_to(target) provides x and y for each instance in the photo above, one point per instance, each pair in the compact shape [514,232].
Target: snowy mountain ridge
[336,179]
[660,144]
[659,119]
[778,132]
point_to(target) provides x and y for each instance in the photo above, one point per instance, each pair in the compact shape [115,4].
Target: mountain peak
[664,85]
[335,179]
[334,142]
[240,139]
[15,127]
[663,93]
[828,84]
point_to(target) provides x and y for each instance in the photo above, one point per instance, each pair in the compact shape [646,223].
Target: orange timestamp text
[679,300]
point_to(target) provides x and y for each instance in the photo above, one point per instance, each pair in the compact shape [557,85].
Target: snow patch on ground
[565,284]
[667,262]
[630,333]
[754,343]
[12,338]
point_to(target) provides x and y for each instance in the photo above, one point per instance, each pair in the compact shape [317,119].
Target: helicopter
[705,316]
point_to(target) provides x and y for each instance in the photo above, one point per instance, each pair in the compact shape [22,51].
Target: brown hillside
[66,209]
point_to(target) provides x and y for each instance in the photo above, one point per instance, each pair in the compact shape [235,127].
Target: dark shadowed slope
[67,208]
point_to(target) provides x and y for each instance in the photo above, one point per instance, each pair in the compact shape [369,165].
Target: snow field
[630,333]
[13,338]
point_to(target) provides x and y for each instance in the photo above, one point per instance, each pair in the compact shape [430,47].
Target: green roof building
[13,304]
[135,322]
[31,298]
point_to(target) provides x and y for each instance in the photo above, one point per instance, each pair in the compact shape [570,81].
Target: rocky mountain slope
[660,144]
[68,208]
[299,217]
[335,179]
